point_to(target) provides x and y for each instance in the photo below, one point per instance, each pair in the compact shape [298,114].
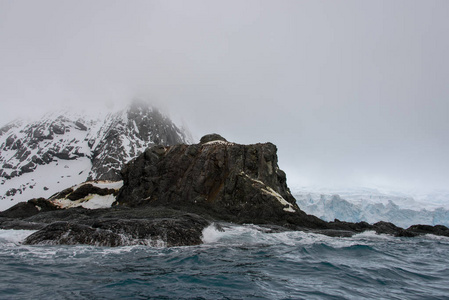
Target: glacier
[375,204]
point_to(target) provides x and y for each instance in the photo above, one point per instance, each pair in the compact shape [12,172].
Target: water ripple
[241,263]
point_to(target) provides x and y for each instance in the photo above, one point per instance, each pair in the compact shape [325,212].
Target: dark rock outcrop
[184,230]
[15,217]
[27,209]
[389,228]
[117,226]
[427,229]
[227,181]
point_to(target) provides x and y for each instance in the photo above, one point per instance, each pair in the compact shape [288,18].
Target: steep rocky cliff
[238,183]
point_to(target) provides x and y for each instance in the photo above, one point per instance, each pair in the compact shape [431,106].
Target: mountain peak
[65,147]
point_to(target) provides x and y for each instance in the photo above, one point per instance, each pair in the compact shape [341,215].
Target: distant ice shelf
[373,205]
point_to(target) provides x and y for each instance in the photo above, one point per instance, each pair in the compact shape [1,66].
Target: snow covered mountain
[373,205]
[40,158]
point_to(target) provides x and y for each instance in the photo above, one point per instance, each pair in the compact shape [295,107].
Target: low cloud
[353,93]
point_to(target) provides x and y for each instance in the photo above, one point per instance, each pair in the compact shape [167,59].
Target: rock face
[70,147]
[238,183]
[116,226]
[185,230]
[30,208]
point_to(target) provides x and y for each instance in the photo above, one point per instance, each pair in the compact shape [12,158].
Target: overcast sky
[351,92]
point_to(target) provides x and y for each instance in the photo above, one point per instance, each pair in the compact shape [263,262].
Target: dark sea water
[240,263]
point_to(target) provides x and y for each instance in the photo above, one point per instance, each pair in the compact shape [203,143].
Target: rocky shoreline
[170,194]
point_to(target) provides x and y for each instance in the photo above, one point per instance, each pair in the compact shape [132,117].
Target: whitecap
[14,237]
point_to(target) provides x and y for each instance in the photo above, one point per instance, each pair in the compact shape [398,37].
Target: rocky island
[170,194]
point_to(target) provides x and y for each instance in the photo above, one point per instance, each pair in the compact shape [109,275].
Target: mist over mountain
[352,94]
[65,148]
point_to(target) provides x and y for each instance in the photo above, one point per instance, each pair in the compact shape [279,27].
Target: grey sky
[351,92]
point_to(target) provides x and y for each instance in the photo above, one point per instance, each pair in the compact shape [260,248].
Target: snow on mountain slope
[126,134]
[373,205]
[44,181]
[40,158]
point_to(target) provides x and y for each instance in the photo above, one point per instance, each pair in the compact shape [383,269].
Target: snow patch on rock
[90,201]
[218,142]
[269,191]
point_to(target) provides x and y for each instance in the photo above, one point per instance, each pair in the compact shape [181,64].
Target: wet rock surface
[389,228]
[183,230]
[117,226]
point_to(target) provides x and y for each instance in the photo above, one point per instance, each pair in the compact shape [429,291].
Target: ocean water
[240,263]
